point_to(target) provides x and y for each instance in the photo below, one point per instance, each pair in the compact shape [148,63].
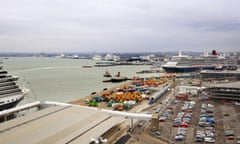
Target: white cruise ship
[97,57]
[183,63]
[112,57]
[10,93]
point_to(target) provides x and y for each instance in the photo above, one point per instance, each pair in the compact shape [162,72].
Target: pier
[4,114]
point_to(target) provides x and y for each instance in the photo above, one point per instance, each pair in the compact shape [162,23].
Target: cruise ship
[97,57]
[10,93]
[112,57]
[185,63]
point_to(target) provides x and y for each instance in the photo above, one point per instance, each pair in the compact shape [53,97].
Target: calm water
[62,80]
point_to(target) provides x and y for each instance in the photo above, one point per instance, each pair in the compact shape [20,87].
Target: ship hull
[10,105]
[188,69]
[181,70]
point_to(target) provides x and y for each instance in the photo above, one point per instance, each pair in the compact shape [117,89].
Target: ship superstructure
[10,92]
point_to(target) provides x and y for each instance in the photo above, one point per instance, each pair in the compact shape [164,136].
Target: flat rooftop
[229,85]
[57,124]
[221,72]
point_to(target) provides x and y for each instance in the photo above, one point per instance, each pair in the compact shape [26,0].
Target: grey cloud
[105,25]
[217,26]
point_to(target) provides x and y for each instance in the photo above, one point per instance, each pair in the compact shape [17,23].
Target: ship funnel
[214,53]
[180,53]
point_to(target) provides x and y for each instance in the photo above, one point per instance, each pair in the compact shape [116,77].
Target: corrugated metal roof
[57,124]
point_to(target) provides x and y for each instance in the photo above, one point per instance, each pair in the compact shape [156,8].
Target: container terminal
[174,109]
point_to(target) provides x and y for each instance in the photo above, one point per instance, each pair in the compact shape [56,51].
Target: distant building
[193,90]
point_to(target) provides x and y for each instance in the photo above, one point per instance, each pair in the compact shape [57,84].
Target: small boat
[86,66]
[106,64]
[117,78]
[93,93]
[149,71]
[107,74]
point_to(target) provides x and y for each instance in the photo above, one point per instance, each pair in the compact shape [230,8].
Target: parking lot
[198,121]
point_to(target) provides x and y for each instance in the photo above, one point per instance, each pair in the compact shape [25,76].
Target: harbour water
[63,80]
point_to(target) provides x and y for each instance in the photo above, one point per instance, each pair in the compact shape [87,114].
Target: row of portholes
[11,100]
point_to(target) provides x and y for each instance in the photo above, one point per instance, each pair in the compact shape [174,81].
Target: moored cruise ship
[97,57]
[10,93]
[112,57]
[183,63]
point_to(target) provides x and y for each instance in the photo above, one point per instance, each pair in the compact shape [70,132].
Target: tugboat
[10,93]
[117,78]
[107,74]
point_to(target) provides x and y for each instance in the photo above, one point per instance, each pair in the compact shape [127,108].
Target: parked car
[184,125]
[162,119]
[230,137]
[199,139]
[229,133]
[179,137]
[209,140]
[209,111]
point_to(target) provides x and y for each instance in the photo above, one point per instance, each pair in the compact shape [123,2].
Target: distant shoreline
[90,54]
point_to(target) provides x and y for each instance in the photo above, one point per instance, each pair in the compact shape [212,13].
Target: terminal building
[191,90]
[227,91]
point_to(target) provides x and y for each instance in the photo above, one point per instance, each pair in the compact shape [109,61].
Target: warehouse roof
[57,124]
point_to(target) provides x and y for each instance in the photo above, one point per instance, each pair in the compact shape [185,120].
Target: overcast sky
[119,25]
